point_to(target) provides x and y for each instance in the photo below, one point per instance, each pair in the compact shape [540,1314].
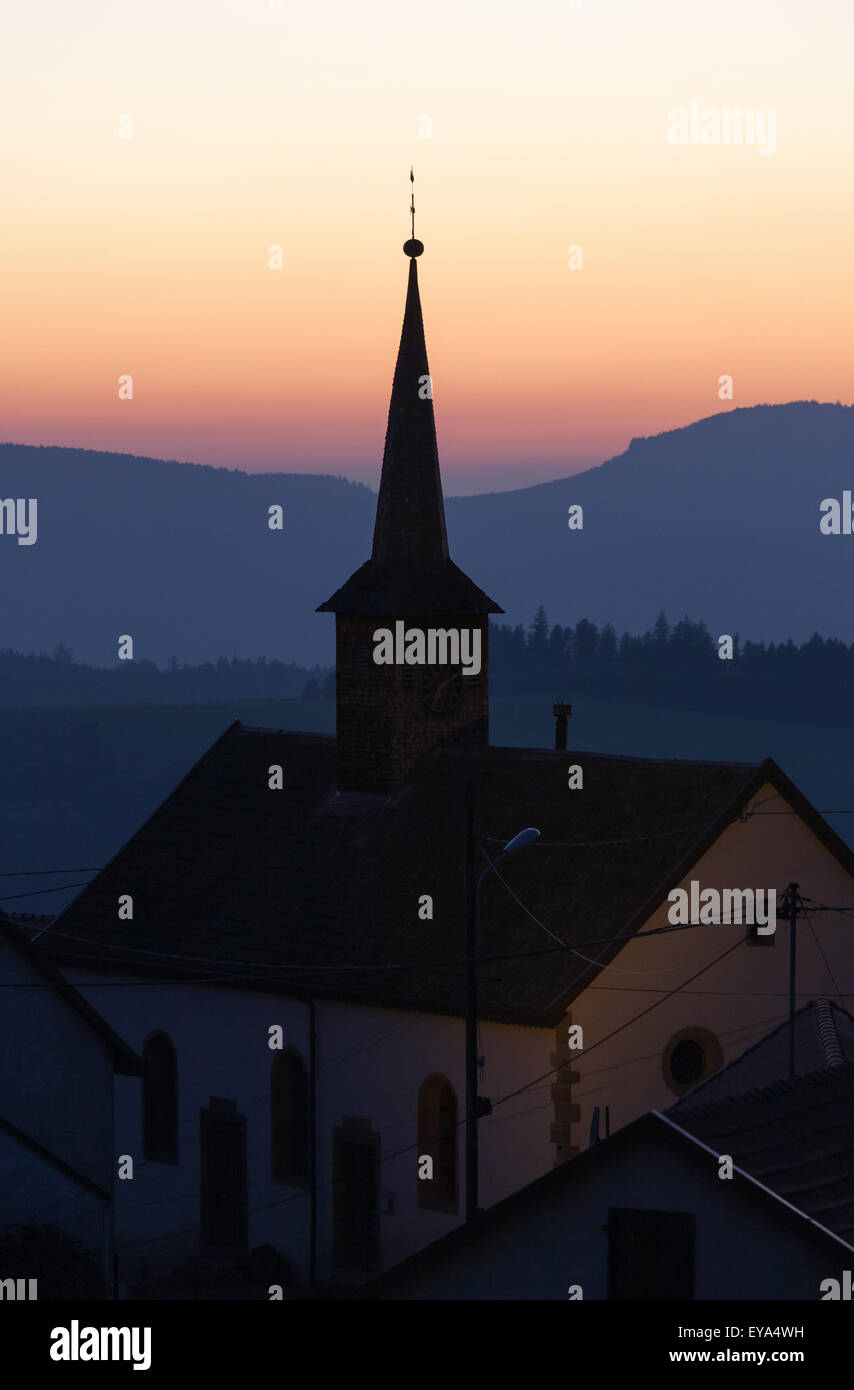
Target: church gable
[697,996]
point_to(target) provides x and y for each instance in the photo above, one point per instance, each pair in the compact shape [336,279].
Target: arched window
[437,1137]
[159,1100]
[290,1159]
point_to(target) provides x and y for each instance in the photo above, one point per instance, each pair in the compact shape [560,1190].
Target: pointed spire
[410,524]
[410,570]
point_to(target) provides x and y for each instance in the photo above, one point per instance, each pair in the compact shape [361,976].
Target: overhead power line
[408,1148]
[37,892]
[41,873]
[495,839]
[277,970]
[622,1026]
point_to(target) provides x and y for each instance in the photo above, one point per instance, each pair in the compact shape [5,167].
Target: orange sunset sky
[258,123]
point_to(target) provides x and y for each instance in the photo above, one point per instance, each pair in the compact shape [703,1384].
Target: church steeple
[410,569]
[388,716]
[410,523]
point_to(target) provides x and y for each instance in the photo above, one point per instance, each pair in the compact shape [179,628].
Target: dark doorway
[356,1200]
[224,1207]
[650,1254]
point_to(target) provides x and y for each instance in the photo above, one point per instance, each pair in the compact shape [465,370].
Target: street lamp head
[525,837]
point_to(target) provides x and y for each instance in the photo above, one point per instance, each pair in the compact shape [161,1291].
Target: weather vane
[412,247]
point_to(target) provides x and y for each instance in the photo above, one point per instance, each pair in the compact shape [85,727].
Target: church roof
[385,591]
[307,890]
[410,569]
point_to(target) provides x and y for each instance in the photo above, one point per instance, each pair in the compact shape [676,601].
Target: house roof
[125,1060]
[795,1136]
[560,1183]
[824,1037]
[308,890]
[53,1160]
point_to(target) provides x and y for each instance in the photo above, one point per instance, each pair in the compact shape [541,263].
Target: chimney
[561,713]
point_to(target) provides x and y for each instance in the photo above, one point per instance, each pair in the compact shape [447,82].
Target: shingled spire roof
[410,570]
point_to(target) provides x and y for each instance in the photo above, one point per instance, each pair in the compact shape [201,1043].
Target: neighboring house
[318,885]
[797,1136]
[819,1038]
[646,1214]
[58,1061]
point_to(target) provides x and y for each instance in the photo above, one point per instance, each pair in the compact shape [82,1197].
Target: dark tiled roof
[797,1137]
[406,591]
[230,870]
[824,1036]
[30,922]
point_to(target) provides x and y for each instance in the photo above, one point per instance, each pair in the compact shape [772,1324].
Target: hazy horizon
[505,477]
[506,481]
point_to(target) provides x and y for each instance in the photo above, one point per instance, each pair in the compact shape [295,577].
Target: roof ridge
[494,748]
[828,1036]
[123,1057]
[760,1042]
[759,1093]
[286,733]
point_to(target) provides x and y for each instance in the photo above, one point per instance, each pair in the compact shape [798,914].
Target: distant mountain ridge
[719,519]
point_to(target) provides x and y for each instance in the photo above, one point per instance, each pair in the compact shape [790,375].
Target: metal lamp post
[524,837]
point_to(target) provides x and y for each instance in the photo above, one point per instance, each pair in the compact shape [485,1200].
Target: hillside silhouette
[719,519]
[38,679]
[674,667]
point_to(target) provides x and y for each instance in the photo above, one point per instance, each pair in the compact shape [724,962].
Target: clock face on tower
[441,688]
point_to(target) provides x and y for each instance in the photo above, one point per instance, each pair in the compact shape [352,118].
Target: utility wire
[541,844]
[312,970]
[824,958]
[280,969]
[622,1026]
[529,1085]
[366,1045]
[41,873]
[387,1158]
[36,892]
[408,1148]
[587,959]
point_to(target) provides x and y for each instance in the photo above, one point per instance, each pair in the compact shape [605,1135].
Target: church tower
[389,715]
